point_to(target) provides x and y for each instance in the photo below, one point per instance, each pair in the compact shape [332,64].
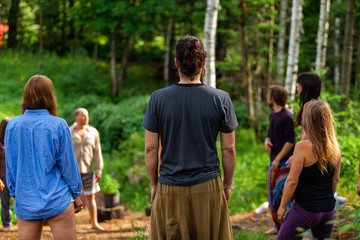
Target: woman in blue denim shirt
[42,172]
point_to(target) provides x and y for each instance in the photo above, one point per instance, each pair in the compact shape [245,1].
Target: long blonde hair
[318,125]
[39,94]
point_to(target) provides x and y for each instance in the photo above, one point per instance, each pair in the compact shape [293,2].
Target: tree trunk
[357,76]
[63,28]
[168,51]
[326,35]
[246,70]
[322,36]
[348,50]
[337,54]
[73,33]
[281,43]
[12,21]
[271,49]
[41,45]
[257,77]
[96,46]
[211,16]
[113,63]
[124,62]
[294,46]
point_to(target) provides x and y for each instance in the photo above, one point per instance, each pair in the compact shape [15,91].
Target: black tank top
[314,190]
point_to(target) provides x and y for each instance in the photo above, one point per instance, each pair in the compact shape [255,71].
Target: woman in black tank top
[313,177]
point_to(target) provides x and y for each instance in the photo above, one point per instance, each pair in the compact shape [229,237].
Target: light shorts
[89,183]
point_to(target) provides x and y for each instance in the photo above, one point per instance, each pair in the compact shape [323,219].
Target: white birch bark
[294,46]
[212,9]
[326,34]
[337,54]
[281,43]
[322,35]
[167,51]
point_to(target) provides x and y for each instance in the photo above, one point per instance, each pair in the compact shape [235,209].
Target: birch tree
[348,49]
[322,35]
[281,43]
[211,16]
[294,47]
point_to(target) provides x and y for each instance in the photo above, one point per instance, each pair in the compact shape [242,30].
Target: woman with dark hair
[313,177]
[309,87]
[4,193]
[189,198]
[42,172]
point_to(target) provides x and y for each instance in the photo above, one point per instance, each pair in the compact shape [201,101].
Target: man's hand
[98,177]
[2,185]
[153,193]
[78,204]
[275,165]
[227,190]
[268,145]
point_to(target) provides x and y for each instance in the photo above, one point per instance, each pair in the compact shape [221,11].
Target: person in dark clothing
[313,177]
[188,196]
[279,143]
[4,194]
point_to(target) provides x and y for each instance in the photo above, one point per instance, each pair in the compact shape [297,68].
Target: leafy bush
[351,220]
[109,185]
[115,122]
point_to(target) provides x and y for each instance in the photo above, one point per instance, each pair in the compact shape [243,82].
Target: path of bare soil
[123,228]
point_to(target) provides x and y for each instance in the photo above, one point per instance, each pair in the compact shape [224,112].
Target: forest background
[108,56]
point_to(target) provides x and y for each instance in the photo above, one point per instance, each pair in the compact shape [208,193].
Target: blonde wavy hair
[318,125]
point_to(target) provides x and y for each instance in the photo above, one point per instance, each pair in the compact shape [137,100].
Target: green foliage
[252,236]
[13,216]
[109,185]
[353,220]
[348,130]
[249,188]
[115,122]
[139,234]
[128,166]
[72,76]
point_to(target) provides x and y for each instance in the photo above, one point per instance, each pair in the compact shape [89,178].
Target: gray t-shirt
[188,118]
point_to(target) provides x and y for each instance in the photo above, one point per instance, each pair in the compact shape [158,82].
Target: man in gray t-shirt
[188,196]
[188,118]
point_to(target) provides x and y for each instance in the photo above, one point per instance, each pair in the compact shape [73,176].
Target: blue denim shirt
[42,172]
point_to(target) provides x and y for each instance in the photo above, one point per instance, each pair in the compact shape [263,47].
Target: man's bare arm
[151,159]
[228,160]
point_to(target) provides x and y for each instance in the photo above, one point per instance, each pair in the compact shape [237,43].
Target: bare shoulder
[304,145]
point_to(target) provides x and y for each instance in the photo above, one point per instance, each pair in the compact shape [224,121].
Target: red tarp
[3,29]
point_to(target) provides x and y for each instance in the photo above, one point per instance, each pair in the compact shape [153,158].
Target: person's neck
[81,127]
[277,108]
[184,80]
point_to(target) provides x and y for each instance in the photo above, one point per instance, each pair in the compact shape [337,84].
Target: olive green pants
[192,212]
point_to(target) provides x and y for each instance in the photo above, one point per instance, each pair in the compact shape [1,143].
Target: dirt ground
[123,228]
